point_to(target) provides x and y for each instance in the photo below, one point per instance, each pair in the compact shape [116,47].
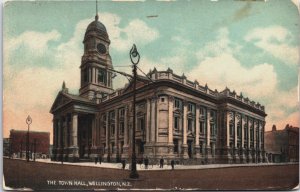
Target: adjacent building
[175,118]
[39,143]
[282,145]
[6,147]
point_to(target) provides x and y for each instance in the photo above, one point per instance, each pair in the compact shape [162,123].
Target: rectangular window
[245,133]
[201,127]
[175,145]
[213,129]
[201,146]
[112,130]
[202,111]
[122,112]
[191,107]
[190,125]
[112,115]
[231,127]
[112,147]
[176,123]
[121,127]
[141,124]
[178,103]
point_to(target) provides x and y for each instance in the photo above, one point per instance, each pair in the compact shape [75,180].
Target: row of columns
[65,136]
[257,131]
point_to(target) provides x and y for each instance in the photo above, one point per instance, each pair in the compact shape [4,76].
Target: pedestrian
[172,164]
[123,163]
[96,160]
[146,162]
[161,163]
[100,159]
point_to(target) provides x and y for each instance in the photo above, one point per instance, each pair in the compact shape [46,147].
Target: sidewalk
[156,167]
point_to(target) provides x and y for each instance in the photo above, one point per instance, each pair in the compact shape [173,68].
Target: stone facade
[175,117]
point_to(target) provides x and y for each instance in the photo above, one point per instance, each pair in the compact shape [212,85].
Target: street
[41,176]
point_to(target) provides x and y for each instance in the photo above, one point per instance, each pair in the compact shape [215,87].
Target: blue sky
[250,46]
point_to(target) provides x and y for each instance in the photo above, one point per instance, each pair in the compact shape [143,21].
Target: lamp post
[135,58]
[28,122]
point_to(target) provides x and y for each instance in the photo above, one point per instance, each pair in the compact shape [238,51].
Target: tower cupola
[96,78]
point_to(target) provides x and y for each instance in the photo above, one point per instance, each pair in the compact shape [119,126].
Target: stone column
[54,133]
[228,129]
[259,142]
[170,131]
[249,156]
[208,155]
[153,119]
[125,146]
[235,129]
[93,75]
[254,140]
[107,152]
[243,157]
[53,156]
[66,132]
[197,147]
[227,156]
[73,149]
[115,155]
[184,133]
[94,138]
[262,142]
[235,151]
[148,121]
[59,133]
[96,75]
[90,75]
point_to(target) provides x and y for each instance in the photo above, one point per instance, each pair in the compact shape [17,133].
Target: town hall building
[175,118]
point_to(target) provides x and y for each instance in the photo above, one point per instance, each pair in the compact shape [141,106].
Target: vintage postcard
[151,95]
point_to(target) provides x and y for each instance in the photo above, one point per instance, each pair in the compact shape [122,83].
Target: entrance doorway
[81,150]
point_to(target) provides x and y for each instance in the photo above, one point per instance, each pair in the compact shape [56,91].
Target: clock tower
[96,78]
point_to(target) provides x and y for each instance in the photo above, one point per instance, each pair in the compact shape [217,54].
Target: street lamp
[28,122]
[135,58]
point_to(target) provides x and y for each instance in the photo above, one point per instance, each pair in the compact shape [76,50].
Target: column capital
[154,98]
[171,98]
[185,102]
[74,113]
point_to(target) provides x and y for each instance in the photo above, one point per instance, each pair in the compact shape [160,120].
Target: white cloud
[136,31]
[297,4]
[32,90]
[221,45]
[275,40]
[34,41]
[181,40]
[224,70]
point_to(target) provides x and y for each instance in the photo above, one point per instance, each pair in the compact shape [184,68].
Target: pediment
[60,100]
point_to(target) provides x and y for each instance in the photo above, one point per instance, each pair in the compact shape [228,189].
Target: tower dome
[96,28]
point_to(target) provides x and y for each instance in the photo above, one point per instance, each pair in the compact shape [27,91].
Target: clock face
[101,48]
